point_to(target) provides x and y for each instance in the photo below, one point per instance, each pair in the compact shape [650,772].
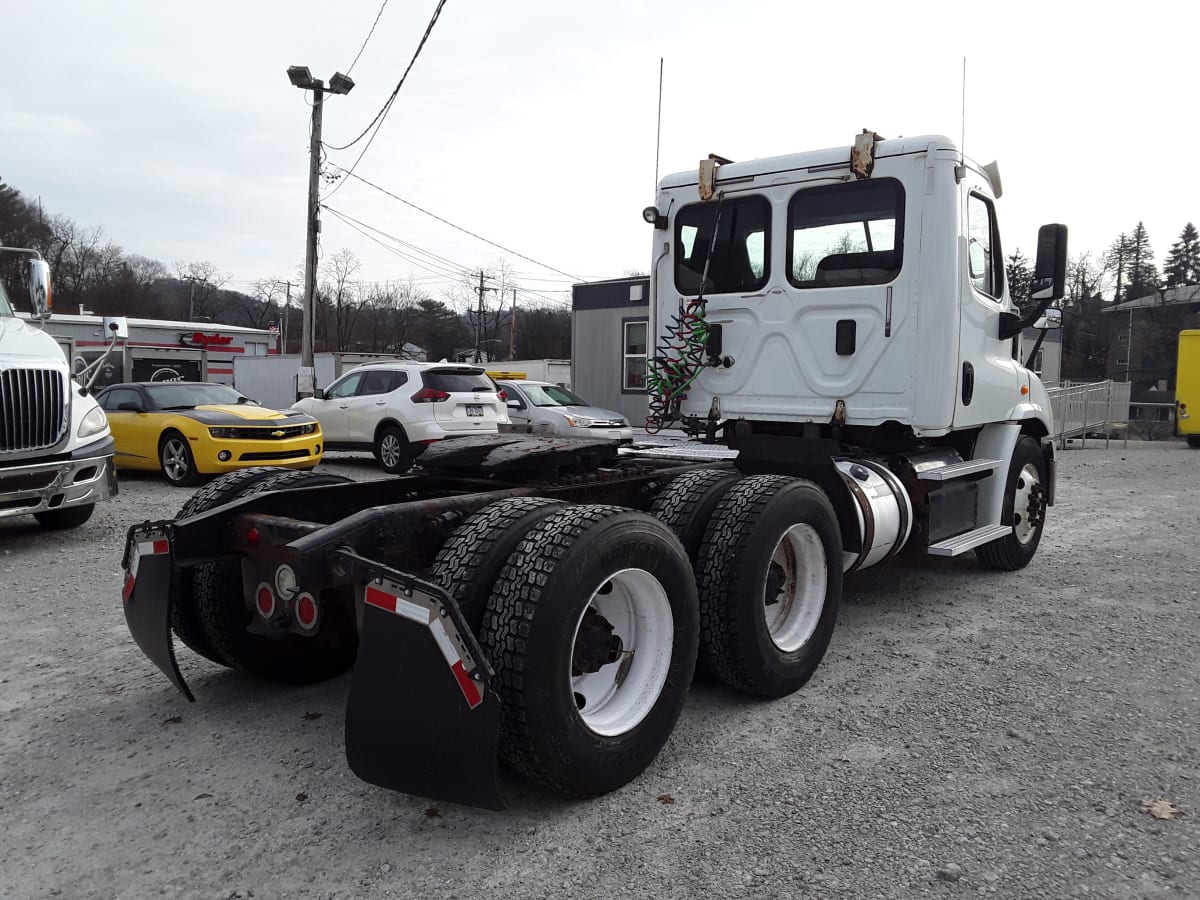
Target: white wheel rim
[175,459]
[792,613]
[1023,500]
[615,699]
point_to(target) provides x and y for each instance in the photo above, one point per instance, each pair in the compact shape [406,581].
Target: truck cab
[874,294]
[56,450]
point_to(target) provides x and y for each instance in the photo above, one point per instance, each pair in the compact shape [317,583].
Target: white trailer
[556,371]
[159,349]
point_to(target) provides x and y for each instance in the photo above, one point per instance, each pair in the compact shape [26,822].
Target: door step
[960,470]
[961,543]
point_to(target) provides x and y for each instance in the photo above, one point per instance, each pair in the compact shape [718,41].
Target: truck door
[806,284]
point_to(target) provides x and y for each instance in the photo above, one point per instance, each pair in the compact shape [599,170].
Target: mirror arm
[94,368]
[1037,345]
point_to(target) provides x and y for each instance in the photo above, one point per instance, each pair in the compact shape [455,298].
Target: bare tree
[341,295]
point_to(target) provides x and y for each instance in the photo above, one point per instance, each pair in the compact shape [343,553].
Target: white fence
[1083,409]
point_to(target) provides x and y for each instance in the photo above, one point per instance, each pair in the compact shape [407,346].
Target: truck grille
[32,409]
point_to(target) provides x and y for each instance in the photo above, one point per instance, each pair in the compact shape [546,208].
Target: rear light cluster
[283,599]
[429,395]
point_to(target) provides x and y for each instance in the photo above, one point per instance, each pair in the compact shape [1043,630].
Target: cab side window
[984,258]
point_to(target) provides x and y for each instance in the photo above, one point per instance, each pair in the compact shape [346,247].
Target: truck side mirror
[1050,270]
[39,288]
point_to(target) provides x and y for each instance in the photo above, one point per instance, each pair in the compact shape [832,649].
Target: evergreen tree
[1143,273]
[1020,276]
[1183,262]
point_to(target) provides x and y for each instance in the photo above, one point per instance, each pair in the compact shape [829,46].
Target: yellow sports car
[190,430]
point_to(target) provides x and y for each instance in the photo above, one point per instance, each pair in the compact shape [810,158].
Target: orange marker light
[1024,390]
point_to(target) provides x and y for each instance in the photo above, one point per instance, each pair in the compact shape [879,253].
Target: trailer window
[851,234]
[633,368]
[740,257]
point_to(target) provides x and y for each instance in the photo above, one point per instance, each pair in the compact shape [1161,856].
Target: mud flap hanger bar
[422,716]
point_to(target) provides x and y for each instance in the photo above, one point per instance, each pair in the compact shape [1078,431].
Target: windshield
[551,395]
[185,395]
[5,307]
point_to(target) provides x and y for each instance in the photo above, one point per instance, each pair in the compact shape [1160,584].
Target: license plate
[474,409]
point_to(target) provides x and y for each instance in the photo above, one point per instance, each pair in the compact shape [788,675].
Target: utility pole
[479,317]
[512,328]
[307,381]
[287,308]
[191,298]
[302,78]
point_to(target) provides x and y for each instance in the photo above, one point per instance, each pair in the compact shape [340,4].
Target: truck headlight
[93,423]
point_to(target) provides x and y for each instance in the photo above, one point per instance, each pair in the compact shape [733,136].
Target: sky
[533,124]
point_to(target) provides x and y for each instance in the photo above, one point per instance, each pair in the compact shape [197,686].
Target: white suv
[396,409]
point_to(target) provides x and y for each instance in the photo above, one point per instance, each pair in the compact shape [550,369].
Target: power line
[435,260]
[456,227]
[367,38]
[382,114]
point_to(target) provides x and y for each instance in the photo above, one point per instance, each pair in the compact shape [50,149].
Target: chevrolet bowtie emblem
[276,434]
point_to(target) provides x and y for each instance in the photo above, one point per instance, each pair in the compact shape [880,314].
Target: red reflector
[252,537]
[266,602]
[429,395]
[306,611]
[502,395]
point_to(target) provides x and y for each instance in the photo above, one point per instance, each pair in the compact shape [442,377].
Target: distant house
[1143,352]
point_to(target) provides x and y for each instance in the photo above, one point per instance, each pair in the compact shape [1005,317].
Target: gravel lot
[970,733]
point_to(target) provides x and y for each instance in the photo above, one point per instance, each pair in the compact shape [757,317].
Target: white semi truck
[839,317]
[56,451]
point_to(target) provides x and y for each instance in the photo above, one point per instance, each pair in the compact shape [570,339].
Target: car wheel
[393,451]
[176,460]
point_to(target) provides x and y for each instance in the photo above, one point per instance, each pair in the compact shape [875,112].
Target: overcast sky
[533,123]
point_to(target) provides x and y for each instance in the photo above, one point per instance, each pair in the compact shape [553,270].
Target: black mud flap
[422,717]
[147,597]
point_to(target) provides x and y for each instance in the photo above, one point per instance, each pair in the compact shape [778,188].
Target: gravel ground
[970,733]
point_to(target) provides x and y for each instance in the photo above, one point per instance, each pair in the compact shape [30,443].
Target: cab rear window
[453,381]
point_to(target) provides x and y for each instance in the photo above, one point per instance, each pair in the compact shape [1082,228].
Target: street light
[301,77]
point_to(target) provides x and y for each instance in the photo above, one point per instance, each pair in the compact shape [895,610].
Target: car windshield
[5,307]
[185,395]
[551,395]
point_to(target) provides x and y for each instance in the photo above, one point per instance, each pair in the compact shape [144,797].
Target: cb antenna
[962,144]
[658,130]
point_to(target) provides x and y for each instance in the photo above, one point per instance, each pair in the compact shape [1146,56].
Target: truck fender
[997,440]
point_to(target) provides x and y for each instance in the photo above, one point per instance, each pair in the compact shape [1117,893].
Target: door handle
[381,403]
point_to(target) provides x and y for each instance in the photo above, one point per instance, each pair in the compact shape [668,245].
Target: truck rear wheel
[770,581]
[687,503]
[1024,509]
[592,630]
[235,635]
[185,617]
[472,558]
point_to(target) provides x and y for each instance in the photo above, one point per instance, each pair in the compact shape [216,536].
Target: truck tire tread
[537,583]
[733,646]
[473,556]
